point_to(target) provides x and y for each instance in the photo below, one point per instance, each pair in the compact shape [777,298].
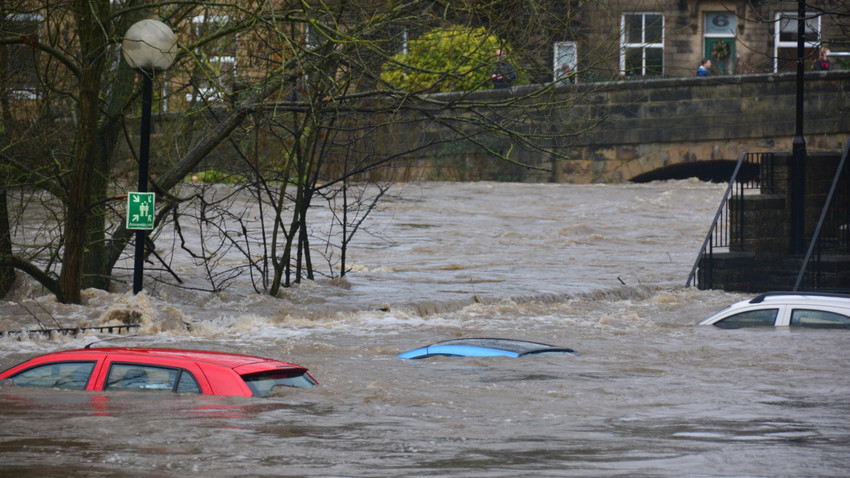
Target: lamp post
[798,159]
[148,46]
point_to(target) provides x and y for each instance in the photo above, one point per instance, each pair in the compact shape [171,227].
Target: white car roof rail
[760,298]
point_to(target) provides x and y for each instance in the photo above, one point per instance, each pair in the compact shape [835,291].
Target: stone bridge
[633,130]
[655,129]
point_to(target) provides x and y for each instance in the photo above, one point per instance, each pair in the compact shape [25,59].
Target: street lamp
[798,156]
[148,46]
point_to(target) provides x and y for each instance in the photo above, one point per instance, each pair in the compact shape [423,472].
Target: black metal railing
[70,331]
[832,233]
[753,171]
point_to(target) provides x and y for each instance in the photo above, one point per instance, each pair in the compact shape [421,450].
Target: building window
[719,41]
[215,69]
[317,35]
[785,41]
[19,60]
[642,44]
[399,42]
[565,62]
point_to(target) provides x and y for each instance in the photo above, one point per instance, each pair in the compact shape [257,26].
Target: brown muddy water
[600,269]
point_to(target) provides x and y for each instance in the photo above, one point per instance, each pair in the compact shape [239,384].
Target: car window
[187,383]
[818,319]
[146,377]
[67,375]
[263,383]
[750,318]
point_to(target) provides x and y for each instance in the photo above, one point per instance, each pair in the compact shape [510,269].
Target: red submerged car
[173,370]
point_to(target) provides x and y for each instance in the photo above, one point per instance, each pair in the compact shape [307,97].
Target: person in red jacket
[822,63]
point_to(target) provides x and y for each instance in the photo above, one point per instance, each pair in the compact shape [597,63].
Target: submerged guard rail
[753,171]
[72,331]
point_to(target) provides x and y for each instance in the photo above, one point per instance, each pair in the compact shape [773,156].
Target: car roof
[224,359]
[801,296]
[484,347]
[797,299]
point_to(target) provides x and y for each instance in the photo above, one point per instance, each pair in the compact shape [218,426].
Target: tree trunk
[93,43]
[97,265]
[7,273]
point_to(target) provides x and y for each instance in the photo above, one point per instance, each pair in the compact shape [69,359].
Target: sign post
[140,211]
[148,46]
[140,208]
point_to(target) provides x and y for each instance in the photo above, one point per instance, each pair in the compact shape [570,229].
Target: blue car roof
[484,347]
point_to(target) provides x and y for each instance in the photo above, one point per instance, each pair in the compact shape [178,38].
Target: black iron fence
[831,238]
[754,171]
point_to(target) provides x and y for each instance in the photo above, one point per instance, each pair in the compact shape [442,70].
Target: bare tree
[303,77]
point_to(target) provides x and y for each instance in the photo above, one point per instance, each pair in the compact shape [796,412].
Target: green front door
[721,52]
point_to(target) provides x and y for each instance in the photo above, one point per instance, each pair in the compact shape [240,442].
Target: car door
[819,317]
[64,374]
[148,373]
[756,315]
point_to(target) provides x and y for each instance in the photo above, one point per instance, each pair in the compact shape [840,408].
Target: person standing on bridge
[822,63]
[704,65]
[504,74]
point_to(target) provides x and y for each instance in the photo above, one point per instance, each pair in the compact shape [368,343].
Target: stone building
[668,38]
[751,44]
[597,41]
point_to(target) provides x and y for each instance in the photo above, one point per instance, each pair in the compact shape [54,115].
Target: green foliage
[445,59]
[214,176]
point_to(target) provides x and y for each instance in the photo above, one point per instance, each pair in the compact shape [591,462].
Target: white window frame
[22,17]
[26,93]
[405,40]
[643,45]
[777,44]
[210,93]
[722,33]
[564,53]
[206,93]
[314,39]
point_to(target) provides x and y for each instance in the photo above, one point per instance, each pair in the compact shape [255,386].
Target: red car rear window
[261,384]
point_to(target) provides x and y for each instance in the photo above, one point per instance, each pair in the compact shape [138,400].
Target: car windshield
[261,384]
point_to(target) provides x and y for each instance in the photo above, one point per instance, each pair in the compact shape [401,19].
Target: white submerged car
[786,309]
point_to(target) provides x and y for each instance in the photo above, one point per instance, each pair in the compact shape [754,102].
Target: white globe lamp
[149,45]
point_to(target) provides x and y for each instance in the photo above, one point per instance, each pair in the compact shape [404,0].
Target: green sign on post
[140,208]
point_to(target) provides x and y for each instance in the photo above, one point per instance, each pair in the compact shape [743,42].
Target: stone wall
[611,132]
[659,123]
[652,124]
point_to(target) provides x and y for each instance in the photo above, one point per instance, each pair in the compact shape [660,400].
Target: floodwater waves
[597,268]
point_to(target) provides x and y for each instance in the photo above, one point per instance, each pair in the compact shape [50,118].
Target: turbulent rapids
[596,268]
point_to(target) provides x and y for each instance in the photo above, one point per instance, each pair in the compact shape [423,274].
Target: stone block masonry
[652,124]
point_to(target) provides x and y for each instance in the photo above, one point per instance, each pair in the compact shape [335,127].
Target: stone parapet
[652,124]
[600,132]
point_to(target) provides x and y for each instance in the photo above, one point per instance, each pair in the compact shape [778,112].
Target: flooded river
[600,269]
